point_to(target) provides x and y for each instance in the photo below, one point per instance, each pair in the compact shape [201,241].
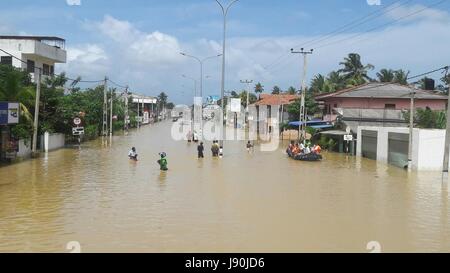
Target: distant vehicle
[210,111]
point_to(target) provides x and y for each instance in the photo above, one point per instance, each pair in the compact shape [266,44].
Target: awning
[311,123]
[325,126]
[334,133]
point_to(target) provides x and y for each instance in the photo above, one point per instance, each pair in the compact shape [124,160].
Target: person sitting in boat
[296,150]
[132,154]
[317,149]
[290,148]
[307,150]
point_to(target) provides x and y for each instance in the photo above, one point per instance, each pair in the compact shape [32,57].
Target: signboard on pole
[235,105]
[348,137]
[9,113]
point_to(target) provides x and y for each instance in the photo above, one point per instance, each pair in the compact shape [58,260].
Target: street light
[200,61]
[225,13]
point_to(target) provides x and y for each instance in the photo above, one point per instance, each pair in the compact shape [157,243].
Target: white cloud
[73,2]
[150,61]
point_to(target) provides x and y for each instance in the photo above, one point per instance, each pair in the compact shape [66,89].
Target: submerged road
[257,202]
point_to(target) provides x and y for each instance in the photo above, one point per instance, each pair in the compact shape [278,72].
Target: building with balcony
[35,52]
[377,104]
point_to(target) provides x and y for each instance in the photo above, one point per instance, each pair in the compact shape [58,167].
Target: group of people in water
[133,155]
[296,148]
[216,149]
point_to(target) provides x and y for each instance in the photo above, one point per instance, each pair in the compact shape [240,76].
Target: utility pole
[111,115]
[138,115]
[302,120]
[411,129]
[105,108]
[447,132]
[36,110]
[248,82]
[126,110]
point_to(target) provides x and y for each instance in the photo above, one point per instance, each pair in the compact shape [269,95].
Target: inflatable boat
[305,157]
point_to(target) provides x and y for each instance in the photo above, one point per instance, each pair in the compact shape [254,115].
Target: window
[335,105]
[46,69]
[30,66]
[52,70]
[389,106]
[7,60]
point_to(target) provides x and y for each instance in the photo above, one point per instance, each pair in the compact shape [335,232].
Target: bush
[327,143]
[91,132]
[118,125]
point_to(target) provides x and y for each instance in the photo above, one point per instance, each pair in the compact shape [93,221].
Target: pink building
[381,96]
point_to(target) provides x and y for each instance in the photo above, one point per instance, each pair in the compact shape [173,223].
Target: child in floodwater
[163,162]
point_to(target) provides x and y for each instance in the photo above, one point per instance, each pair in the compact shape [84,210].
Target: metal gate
[369,144]
[398,149]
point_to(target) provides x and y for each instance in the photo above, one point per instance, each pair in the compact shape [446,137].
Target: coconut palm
[386,75]
[259,88]
[354,70]
[291,90]
[318,83]
[401,77]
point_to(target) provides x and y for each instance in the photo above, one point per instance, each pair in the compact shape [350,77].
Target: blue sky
[137,42]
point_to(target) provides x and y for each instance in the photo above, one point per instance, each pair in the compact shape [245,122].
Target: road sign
[78,131]
[235,105]
[9,113]
[348,137]
[77,121]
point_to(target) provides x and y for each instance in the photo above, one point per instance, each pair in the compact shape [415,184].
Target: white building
[34,51]
[390,145]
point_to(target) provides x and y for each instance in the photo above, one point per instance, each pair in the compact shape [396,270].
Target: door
[369,144]
[398,149]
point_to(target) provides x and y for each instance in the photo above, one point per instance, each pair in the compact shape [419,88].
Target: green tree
[276,90]
[259,88]
[401,77]
[162,100]
[318,84]
[354,72]
[292,91]
[386,75]
[251,98]
[335,82]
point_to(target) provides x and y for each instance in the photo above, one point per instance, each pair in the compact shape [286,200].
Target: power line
[347,26]
[383,25]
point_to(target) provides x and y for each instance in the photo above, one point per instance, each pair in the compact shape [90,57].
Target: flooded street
[259,202]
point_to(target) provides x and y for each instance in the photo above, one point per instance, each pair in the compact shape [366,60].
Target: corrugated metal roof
[382,90]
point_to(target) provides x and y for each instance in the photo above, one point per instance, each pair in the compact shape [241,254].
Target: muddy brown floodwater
[258,202]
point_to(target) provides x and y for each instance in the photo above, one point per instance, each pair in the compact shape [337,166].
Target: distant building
[146,108]
[377,104]
[36,51]
[268,103]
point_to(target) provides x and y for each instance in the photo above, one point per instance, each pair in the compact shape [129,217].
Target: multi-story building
[31,52]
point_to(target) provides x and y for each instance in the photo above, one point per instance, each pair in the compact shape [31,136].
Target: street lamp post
[195,83]
[225,13]
[201,62]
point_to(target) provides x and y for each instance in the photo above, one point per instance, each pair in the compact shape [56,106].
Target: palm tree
[318,83]
[276,90]
[162,98]
[386,75]
[291,90]
[259,88]
[354,70]
[334,82]
[401,77]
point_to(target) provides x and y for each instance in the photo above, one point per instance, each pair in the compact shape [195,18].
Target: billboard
[235,105]
[9,113]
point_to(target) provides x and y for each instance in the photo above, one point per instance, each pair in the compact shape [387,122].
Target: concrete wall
[428,146]
[24,149]
[50,142]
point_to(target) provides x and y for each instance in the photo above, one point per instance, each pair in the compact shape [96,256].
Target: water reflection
[258,202]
